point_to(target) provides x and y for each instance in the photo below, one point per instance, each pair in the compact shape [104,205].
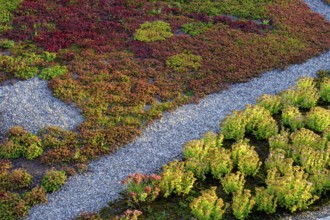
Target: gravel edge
[162,142]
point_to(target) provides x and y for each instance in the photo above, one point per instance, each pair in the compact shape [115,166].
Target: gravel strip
[32,105]
[162,142]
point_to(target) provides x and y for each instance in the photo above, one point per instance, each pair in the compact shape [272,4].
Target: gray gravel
[162,142]
[32,105]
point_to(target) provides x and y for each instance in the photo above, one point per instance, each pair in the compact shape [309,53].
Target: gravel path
[162,142]
[32,105]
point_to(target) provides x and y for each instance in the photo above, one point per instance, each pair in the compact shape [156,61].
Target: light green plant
[289,98]
[325,89]
[185,61]
[153,31]
[52,72]
[196,153]
[292,117]
[307,138]
[48,56]
[270,102]
[265,200]
[33,151]
[53,180]
[233,126]
[246,158]
[280,141]
[175,179]
[277,159]
[220,162]
[6,43]
[259,122]
[318,119]
[196,28]
[314,160]
[307,92]
[208,206]
[243,203]
[292,189]
[233,182]
[320,180]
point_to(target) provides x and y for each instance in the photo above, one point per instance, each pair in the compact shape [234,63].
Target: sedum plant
[220,162]
[292,117]
[52,72]
[293,190]
[196,28]
[196,153]
[320,180]
[314,160]
[175,179]
[243,203]
[246,158]
[277,159]
[233,126]
[260,122]
[325,89]
[184,62]
[307,93]
[270,102]
[233,182]
[280,141]
[142,188]
[153,31]
[208,206]
[318,119]
[307,138]
[53,180]
[265,200]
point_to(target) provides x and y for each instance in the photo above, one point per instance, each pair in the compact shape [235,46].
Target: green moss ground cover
[229,176]
[125,62]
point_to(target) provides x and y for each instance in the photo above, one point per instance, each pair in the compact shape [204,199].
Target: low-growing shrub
[12,207]
[10,150]
[220,162]
[320,180]
[36,196]
[52,72]
[280,141]
[48,56]
[265,200]
[233,182]
[128,215]
[289,98]
[175,179]
[292,189]
[53,180]
[153,31]
[208,206]
[196,28]
[246,158]
[277,159]
[318,119]
[307,138]
[260,122]
[233,126]
[197,153]
[243,203]
[325,89]
[185,61]
[270,102]
[6,43]
[307,93]
[142,188]
[19,178]
[33,151]
[292,117]
[314,160]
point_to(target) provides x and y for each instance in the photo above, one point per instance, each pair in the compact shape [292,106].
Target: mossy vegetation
[288,170]
[124,63]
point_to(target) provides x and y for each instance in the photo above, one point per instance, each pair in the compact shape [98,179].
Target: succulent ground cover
[125,62]
[231,176]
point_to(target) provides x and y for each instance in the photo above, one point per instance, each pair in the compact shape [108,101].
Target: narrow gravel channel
[162,142]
